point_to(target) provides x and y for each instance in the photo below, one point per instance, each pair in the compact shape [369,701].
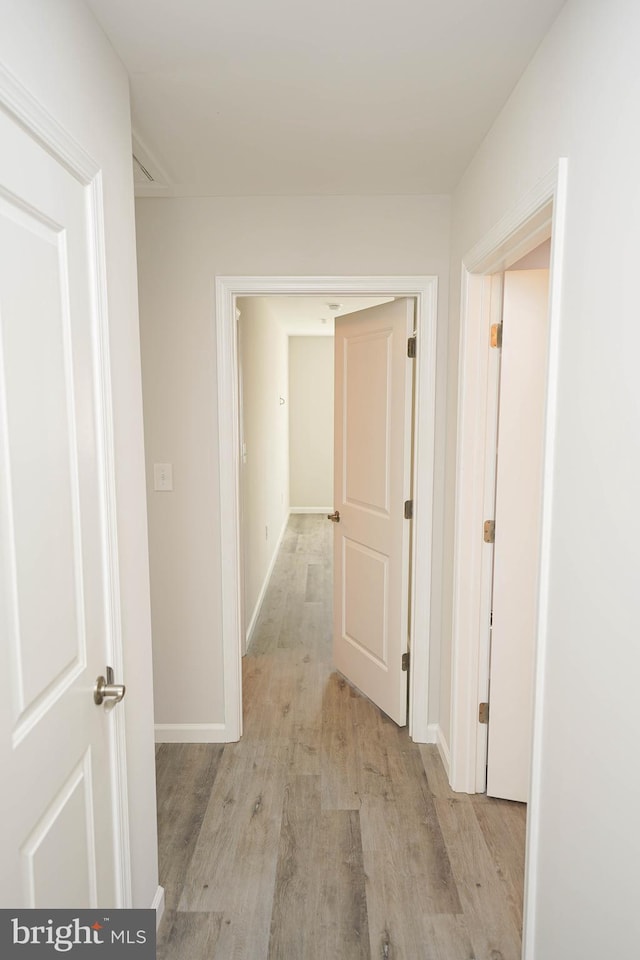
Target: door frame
[17,101]
[424,290]
[540,213]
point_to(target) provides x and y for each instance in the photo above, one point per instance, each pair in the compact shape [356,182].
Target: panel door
[57,846]
[523,379]
[372,479]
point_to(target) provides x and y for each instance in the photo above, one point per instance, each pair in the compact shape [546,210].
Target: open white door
[58,846]
[517,531]
[372,480]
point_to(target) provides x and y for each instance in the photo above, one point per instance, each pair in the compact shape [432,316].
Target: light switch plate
[163,476]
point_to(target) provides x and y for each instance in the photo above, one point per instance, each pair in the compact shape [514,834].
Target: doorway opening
[517,388]
[360,474]
[538,217]
[286,412]
[424,291]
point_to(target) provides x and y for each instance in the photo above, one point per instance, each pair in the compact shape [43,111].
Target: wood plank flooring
[326,833]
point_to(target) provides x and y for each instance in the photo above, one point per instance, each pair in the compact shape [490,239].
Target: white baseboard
[157,904]
[192,733]
[435,735]
[432,733]
[443,750]
[263,590]
[311,510]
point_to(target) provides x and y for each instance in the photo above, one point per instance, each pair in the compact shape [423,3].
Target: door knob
[334,517]
[106,689]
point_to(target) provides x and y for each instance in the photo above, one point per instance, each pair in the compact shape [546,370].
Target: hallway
[326,832]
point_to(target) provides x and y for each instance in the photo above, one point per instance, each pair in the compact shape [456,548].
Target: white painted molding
[424,289]
[112,563]
[193,733]
[226,332]
[432,733]
[311,510]
[18,102]
[476,438]
[443,750]
[436,736]
[555,320]
[265,585]
[423,493]
[29,112]
[521,229]
[467,540]
[540,213]
[157,904]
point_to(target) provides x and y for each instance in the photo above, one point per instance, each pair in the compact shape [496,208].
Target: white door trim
[517,233]
[18,102]
[424,289]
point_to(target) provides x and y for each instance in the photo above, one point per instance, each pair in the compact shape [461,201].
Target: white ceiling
[313,316]
[285,97]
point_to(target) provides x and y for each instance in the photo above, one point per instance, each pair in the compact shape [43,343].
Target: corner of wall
[158,904]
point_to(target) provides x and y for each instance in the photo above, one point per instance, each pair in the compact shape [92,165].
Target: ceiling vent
[149,177]
[140,172]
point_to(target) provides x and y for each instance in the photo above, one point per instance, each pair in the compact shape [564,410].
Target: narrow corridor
[326,832]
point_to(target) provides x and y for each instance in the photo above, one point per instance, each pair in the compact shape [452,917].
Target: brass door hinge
[489,531]
[412,345]
[405,661]
[483,713]
[496,335]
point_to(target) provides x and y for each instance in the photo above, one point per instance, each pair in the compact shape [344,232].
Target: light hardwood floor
[326,832]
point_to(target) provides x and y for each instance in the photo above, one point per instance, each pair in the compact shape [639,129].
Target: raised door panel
[59,855]
[45,549]
[366,427]
[365,625]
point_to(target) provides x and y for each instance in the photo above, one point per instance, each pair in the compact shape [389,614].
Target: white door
[523,379]
[57,843]
[372,480]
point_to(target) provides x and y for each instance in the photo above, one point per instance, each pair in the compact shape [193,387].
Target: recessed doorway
[359,472]
[424,290]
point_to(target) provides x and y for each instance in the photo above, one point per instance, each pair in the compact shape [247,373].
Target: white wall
[58,52]
[579,99]
[311,421]
[264,363]
[182,245]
